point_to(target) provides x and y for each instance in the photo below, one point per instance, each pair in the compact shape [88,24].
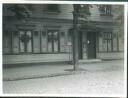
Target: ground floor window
[105,42]
[7,41]
[25,41]
[109,42]
[53,41]
[28,41]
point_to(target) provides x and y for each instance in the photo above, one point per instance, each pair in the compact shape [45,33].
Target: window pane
[15,42]
[121,43]
[104,46]
[53,41]
[43,42]
[100,44]
[114,41]
[29,43]
[105,9]
[22,48]
[25,41]
[55,34]
[36,42]
[109,45]
[50,42]
[63,42]
[7,42]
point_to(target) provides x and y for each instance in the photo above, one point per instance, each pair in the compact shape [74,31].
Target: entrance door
[53,41]
[91,45]
[25,41]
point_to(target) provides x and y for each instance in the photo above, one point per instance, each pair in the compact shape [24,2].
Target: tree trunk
[75,36]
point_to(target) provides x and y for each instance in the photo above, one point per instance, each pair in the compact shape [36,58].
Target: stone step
[89,61]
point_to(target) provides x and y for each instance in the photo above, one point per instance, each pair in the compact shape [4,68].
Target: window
[15,42]
[85,9]
[105,42]
[25,42]
[105,9]
[36,41]
[10,42]
[43,41]
[107,36]
[53,41]
[108,41]
[7,42]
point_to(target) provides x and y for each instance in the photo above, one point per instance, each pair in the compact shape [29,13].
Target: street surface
[103,78]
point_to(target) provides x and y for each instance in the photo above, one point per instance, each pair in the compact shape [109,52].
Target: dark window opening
[105,10]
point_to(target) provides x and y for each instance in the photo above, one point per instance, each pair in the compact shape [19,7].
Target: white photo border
[65,2]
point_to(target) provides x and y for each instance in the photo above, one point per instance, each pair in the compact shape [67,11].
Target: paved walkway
[28,71]
[34,71]
[50,70]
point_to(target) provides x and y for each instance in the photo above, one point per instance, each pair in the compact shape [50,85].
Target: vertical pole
[75,36]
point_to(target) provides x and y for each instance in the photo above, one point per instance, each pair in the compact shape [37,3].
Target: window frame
[105,10]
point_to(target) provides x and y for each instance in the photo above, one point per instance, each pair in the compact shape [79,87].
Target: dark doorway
[80,47]
[91,45]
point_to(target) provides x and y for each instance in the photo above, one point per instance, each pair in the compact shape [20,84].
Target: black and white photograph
[69,49]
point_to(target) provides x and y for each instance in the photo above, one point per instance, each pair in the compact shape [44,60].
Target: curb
[33,64]
[70,72]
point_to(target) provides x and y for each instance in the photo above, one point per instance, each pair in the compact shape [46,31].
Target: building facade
[47,34]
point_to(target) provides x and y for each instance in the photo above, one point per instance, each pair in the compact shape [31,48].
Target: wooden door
[91,45]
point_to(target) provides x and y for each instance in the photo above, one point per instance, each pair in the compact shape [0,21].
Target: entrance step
[89,61]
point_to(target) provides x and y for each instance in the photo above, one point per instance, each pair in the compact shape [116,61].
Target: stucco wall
[40,11]
[34,58]
[111,55]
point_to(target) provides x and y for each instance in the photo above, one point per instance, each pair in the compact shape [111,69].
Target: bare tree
[20,11]
[79,11]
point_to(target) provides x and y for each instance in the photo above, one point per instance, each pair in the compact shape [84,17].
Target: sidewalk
[34,71]
[50,70]
[104,78]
